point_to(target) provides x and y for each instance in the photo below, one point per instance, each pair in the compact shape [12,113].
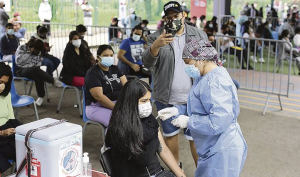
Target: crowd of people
[191,89]
[249,25]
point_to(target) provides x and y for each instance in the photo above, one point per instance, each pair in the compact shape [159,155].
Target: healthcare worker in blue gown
[210,114]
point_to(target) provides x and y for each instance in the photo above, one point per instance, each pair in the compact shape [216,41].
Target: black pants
[39,76]
[239,53]
[142,73]
[7,145]
[47,26]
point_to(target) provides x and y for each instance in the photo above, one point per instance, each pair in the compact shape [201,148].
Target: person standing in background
[201,22]
[88,19]
[161,22]
[3,18]
[45,14]
[131,21]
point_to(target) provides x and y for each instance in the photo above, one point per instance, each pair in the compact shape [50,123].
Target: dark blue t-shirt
[133,50]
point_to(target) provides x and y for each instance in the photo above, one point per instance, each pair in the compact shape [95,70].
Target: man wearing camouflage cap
[170,82]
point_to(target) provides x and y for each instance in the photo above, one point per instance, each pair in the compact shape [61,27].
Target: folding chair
[77,90]
[21,101]
[88,121]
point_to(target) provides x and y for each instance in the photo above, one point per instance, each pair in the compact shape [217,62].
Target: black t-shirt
[122,166]
[108,80]
[113,31]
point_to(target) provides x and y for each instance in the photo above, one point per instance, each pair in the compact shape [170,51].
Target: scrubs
[213,108]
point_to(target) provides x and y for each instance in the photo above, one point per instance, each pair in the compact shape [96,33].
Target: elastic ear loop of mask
[97,60]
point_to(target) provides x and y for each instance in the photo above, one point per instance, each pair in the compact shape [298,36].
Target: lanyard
[110,84]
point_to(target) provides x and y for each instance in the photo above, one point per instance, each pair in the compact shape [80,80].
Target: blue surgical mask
[136,37]
[211,25]
[192,71]
[10,31]
[107,61]
[270,25]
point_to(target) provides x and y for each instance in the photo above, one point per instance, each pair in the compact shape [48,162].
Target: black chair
[105,160]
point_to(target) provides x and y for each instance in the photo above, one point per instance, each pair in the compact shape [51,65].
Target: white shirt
[86,7]
[296,40]
[228,44]
[45,12]
[246,35]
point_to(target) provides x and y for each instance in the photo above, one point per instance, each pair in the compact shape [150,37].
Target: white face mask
[2,87]
[10,31]
[136,37]
[145,110]
[270,25]
[76,43]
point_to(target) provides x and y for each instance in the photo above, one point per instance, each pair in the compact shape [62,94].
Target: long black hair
[137,27]
[41,29]
[284,34]
[104,47]
[125,130]
[5,70]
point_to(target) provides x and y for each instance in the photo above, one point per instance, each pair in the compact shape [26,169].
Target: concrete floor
[273,139]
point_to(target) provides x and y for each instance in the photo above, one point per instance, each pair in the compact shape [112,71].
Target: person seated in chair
[103,83]
[134,137]
[82,31]
[9,43]
[130,54]
[76,62]
[284,51]
[8,123]
[48,60]
[28,62]
[228,47]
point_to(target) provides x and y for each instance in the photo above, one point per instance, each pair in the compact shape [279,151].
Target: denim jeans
[51,62]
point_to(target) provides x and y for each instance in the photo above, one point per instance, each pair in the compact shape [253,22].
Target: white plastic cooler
[57,150]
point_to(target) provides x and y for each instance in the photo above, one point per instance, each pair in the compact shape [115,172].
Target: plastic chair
[77,90]
[21,101]
[25,80]
[106,159]
[279,62]
[88,121]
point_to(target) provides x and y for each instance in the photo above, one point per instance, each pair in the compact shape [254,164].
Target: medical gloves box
[57,151]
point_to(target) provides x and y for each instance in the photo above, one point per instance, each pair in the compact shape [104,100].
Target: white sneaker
[39,101]
[57,83]
[253,58]
[261,60]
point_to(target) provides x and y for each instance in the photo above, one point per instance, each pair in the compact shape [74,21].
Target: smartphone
[170,31]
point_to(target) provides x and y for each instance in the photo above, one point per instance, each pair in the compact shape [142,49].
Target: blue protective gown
[213,108]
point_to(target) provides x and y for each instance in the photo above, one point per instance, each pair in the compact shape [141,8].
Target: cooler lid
[49,134]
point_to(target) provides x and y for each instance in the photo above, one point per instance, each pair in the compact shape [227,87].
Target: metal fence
[256,21]
[271,76]
[69,11]
[60,36]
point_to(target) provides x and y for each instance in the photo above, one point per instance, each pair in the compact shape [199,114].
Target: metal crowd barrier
[59,36]
[275,21]
[271,77]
